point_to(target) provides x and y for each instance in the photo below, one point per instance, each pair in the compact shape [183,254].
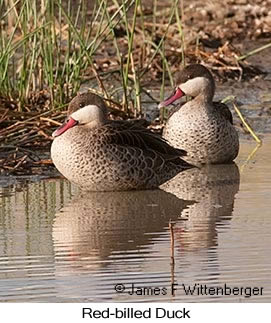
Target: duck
[98,154]
[200,126]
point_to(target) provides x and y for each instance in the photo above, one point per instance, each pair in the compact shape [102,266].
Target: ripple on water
[59,245]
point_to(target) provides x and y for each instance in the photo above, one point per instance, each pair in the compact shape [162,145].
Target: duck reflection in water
[213,187]
[96,225]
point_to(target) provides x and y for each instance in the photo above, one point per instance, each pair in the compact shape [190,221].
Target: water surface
[60,245]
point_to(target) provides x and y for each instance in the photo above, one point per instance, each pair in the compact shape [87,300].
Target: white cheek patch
[194,86]
[86,114]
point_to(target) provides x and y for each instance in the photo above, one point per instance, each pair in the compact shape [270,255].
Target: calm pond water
[59,245]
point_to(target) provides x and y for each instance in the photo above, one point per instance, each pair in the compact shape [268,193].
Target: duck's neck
[205,96]
[201,104]
[95,123]
[203,99]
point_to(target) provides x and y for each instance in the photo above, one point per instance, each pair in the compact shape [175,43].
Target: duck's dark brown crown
[192,71]
[84,99]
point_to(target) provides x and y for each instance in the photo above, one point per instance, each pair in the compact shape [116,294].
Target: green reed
[52,45]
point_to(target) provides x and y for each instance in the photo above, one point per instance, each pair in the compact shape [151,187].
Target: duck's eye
[80,105]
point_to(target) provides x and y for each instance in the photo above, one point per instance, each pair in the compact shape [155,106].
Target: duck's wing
[224,110]
[133,133]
